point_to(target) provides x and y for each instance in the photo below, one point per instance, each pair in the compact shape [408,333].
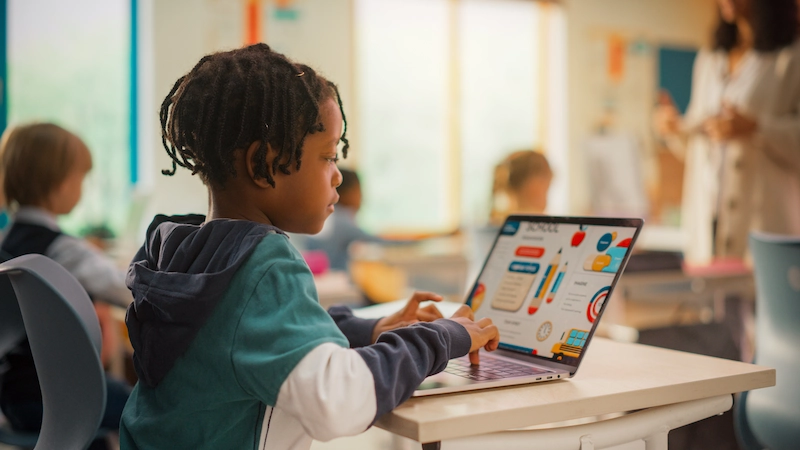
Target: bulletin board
[675,74]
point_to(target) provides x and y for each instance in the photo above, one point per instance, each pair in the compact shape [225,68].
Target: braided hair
[230,100]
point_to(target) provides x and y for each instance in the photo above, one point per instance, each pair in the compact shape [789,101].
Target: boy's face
[304,199]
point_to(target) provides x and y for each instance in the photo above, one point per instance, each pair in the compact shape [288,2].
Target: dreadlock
[230,100]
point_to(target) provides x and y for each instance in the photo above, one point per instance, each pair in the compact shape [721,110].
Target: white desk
[614,377]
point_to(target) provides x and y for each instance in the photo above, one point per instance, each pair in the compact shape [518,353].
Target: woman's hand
[730,124]
[666,119]
[411,314]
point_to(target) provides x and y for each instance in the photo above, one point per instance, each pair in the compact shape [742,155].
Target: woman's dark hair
[774,25]
[230,100]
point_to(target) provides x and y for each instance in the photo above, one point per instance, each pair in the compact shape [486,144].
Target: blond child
[521,182]
[43,168]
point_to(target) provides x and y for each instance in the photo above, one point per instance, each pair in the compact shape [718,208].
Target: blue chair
[64,336]
[770,418]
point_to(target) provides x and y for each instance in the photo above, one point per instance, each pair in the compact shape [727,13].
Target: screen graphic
[545,284]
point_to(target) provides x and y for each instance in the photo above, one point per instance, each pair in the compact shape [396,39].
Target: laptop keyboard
[490,369]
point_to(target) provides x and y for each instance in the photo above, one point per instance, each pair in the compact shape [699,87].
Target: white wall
[182,32]
[651,22]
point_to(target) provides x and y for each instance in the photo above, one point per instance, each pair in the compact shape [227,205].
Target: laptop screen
[547,279]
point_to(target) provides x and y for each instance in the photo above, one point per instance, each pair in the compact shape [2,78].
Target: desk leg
[658,441]
[432,446]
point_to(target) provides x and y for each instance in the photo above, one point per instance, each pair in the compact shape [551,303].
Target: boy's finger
[465,311]
[429,313]
[413,303]
[423,296]
[474,358]
[491,334]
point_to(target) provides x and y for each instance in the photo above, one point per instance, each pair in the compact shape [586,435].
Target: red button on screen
[530,252]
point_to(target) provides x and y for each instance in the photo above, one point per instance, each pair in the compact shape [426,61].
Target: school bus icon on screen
[573,343]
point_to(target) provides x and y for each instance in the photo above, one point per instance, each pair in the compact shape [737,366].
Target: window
[403,73]
[446,89]
[70,63]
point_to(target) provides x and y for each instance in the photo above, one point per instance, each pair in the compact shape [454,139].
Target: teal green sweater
[216,393]
[233,349]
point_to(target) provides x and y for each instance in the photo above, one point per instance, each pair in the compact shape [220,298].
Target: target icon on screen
[596,304]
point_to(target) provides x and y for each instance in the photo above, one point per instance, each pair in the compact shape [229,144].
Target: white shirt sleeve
[331,392]
[96,272]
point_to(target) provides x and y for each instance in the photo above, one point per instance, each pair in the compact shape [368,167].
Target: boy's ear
[248,161]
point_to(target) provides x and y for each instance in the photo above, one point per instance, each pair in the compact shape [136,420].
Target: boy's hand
[411,314]
[483,332]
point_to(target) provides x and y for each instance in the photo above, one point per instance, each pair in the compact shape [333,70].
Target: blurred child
[231,345]
[341,229]
[43,167]
[521,182]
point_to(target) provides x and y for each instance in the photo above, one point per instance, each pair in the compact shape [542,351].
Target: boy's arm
[358,331]
[337,392]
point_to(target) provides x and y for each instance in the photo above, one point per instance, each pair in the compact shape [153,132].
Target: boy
[231,346]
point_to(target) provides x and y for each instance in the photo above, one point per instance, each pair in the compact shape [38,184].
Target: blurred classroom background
[436,93]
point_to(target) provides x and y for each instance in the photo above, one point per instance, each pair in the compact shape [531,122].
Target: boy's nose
[337,178]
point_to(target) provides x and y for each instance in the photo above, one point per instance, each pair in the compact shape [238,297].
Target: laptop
[545,284]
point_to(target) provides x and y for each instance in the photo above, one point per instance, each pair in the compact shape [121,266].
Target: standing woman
[740,137]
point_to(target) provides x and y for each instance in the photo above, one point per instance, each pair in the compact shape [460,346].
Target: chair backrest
[773,414]
[12,329]
[64,336]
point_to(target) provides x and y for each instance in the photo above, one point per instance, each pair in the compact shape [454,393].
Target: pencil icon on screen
[557,283]
[548,277]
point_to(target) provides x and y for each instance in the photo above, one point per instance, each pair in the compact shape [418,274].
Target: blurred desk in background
[660,238]
[659,289]
[386,272]
[655,298]
[335,288]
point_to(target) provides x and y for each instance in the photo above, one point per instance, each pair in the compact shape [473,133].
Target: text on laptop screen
[544,284]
